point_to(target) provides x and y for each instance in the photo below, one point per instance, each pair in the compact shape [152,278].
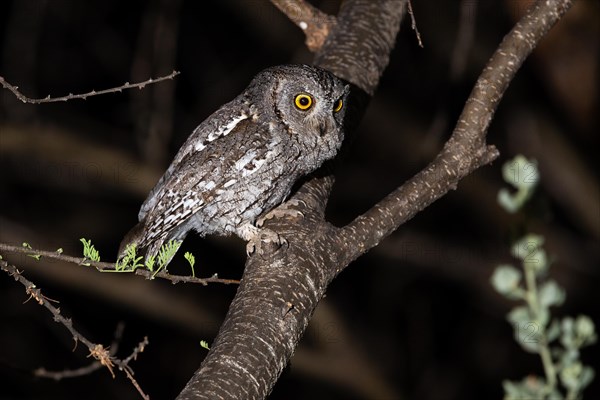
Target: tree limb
[316,24]
[466,150]
[279,292]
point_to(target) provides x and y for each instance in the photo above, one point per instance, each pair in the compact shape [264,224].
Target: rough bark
[280,290]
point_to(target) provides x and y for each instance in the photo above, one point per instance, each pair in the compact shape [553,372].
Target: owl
[243,160]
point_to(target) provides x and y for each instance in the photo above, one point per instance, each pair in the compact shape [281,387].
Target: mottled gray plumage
[242,160]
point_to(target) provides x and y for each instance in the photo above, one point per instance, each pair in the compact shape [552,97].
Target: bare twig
[413,24]
[316,24]
[98,351]
[88,369]
[70,96]
[110,267]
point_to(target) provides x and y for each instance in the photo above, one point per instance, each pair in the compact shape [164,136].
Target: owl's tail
[133,237]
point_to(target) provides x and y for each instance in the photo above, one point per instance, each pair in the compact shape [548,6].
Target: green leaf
[527,330]
[529,250]
[553,331]
[519,315]
[508,202]
[192,260]
[523,175]
[204,344]
[149,262]
[506,279]
[521,172]
[570,376]
[130,261]
[527,246]
[585,330]
[586,377]
[550,294]
[567,339]
[89,251]
[165,254]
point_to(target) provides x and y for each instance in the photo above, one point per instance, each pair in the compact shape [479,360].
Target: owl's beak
[324,127]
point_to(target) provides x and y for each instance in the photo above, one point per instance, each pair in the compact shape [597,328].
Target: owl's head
[309,103]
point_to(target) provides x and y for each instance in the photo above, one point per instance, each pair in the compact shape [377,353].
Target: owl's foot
[282,211]
[260,240]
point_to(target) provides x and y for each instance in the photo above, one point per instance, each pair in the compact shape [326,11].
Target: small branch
[316,24]
[98,351]
[110,267]
[70,96]
[413,24]
[74,373]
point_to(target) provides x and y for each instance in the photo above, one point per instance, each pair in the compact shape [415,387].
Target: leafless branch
[315,23]
[70,96]
[110,267]
[88,369]
[97,351]
[413,23]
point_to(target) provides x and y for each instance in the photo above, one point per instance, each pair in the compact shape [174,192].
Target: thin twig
[88,369]
[413,24]
[98,351]
[315,23]
[71,96]
[110,267]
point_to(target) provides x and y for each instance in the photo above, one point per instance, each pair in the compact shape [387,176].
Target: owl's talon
[263,240]
[284,210]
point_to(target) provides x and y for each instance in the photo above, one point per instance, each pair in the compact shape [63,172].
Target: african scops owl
[242,161]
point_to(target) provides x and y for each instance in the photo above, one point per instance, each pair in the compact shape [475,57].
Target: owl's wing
[219,124]
[199,177]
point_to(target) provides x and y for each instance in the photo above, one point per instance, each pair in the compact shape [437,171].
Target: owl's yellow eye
[338,105]
[303,101]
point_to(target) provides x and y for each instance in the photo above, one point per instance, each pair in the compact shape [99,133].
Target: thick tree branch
[315,23]
[358,49]
[466,150]
[279,292]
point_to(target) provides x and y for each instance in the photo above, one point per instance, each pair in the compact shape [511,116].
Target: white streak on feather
[210,185]
[190,202]
[246,158]
[199,146]
[224,131]
[256,166]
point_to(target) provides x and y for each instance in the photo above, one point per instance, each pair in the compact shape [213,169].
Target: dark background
[414,318]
